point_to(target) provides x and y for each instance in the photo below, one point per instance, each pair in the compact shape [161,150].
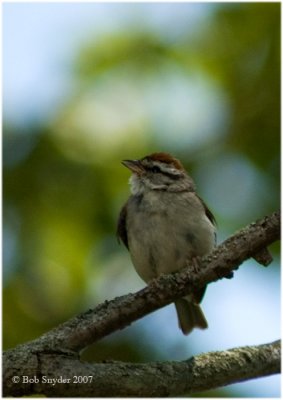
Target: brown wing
[208,213]
[198,294]
[121,226]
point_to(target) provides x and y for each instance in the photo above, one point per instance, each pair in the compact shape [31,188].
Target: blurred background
[86,85]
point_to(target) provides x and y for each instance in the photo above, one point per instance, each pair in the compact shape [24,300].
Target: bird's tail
[190,316]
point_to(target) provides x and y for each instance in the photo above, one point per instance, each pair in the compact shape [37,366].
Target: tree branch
[55,375]
[65,341]
[110,316]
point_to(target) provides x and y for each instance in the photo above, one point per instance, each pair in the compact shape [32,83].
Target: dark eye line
[155,168]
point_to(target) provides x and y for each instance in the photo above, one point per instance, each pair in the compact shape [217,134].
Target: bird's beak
[134,165]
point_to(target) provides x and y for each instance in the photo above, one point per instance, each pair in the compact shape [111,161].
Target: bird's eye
[155,169]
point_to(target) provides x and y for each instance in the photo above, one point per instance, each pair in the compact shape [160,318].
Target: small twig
[263,257]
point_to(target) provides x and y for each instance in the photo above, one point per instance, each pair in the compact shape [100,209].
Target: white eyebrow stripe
[167,168]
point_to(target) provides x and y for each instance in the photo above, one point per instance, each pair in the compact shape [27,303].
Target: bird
[165,226]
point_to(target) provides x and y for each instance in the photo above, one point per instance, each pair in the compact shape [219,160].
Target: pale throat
[137,187]
[140,185]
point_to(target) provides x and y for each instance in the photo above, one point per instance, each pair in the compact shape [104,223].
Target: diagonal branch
[110,316]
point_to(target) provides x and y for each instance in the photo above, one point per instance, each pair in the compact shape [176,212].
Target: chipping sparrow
[165,225]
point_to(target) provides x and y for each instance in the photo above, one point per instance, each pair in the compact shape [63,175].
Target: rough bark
[57,375]
[57,350]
